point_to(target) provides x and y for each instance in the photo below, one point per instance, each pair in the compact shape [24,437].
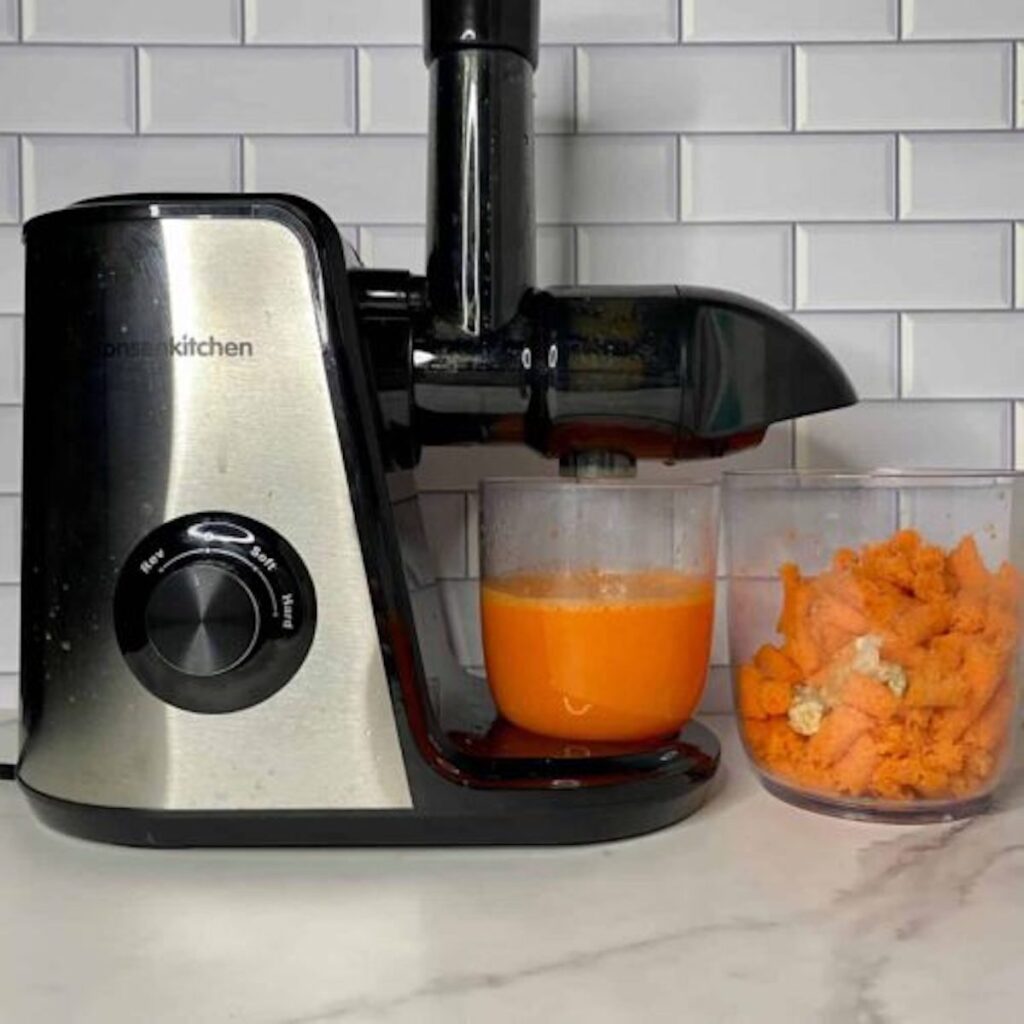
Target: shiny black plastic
[269,568]
[480,225]
[670,373]
[481,24]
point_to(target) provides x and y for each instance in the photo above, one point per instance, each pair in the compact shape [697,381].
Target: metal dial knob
[202,619]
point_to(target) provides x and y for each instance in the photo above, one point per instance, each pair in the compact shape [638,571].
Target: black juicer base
[474,817]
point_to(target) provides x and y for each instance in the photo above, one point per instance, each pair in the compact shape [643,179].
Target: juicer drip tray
[496,748]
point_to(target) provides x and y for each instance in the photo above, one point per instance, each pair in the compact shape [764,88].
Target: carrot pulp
[594,655]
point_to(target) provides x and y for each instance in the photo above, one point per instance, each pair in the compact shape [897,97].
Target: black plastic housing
[481,25]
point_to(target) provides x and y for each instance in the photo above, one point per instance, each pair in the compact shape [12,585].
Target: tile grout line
[792,88]
[622,134]
[1016,239]
[793,267]
[574,234]
[1014,427]
[597,44]
[1015,59]
[679,183]
[897,184]
[465,532]
[241,22]
[136,68]
[357,69]
[900,384]
[22,177]
[575,91]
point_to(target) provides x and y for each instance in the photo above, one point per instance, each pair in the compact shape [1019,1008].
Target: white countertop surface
[748,911]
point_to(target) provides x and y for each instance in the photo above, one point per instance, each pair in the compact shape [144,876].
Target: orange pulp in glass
[594,655]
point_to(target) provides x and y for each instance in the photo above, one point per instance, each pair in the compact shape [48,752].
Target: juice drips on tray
[595,655]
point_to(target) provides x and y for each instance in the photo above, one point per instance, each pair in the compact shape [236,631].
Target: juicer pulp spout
[672,373]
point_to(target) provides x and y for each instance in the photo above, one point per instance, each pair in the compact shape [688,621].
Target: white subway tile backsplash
[754,259]
[1018,262]
[393,247]
[462,468]
[203,90]
[10,619]
[8,20]
[720,636]
[473,534]
[371,180]
[756,20]
[333,21]
[9,696]
[865,345]
[669,89]
[10,538]
[606,179]
[554,91]
[403,247]
[131,21]
[10,359]
[9,177]
[556,259]
[461,602]
[63,169]
[738,180]
[774,452]
[717,699]
[1018,446]
[1018,100]
[393,90]
[12,272]
[960,177]
[444,519]
[955,19]
[911,435]
[788,177]
[903,266]
[963,355]
[10,449]
[67,89]
[901,86]
[609,21]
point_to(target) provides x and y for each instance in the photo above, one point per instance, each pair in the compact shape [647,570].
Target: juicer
[231,632]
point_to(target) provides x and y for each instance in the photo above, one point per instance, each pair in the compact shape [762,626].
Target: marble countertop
[750,910]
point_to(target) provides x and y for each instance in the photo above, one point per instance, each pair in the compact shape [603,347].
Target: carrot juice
[594,655]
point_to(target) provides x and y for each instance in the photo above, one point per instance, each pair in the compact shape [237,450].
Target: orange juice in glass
[597,605]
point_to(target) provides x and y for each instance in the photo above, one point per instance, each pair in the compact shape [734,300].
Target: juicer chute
[670,372]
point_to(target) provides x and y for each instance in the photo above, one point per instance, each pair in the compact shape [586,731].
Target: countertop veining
[750,910]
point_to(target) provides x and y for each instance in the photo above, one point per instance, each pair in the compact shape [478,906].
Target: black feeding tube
[480,216]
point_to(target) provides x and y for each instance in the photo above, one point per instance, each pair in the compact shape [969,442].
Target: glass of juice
[597,604]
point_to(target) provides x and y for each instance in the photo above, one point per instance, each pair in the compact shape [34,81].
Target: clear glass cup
[874,626]
[597,604]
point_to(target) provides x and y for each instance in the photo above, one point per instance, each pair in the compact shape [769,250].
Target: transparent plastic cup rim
[619,483]
[883,476]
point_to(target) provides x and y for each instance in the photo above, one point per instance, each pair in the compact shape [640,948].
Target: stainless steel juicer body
[230,630]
